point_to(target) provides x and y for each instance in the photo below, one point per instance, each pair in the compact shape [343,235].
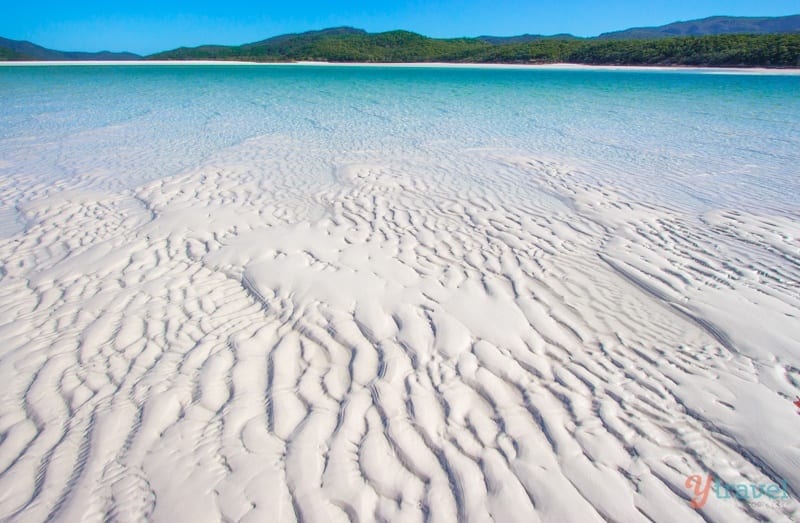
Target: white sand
[397,344]
[761,71]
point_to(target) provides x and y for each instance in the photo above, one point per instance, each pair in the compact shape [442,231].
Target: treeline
[771,50]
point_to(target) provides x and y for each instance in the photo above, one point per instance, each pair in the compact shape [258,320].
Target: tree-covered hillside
[339,45]
[20,50]
[350,45]
[714,25]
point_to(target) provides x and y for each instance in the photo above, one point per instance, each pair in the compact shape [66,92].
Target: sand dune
[391,337]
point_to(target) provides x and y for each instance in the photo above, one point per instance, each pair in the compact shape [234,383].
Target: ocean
[696,137]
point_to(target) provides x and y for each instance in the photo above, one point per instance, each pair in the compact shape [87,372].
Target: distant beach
[561,67]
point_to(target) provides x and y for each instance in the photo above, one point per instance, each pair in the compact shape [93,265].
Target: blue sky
[147,26]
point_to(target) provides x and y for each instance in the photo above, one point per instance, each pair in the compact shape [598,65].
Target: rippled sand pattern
[455,335]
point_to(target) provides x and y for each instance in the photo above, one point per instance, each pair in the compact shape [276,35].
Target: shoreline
[789,71]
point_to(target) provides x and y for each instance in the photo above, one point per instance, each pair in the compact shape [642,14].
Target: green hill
[339,45]
[22,50]
[713,25]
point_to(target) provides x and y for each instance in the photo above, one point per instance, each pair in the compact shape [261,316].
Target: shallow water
[683,137]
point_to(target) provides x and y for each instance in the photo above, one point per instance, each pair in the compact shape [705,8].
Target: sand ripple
[387,337]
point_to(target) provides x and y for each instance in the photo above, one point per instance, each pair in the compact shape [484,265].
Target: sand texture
[392,338]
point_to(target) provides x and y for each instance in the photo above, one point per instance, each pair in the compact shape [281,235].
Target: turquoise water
[688,137]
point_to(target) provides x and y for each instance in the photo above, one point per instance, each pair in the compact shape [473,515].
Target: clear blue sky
[147,26]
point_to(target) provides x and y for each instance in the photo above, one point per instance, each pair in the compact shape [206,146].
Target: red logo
[696,483]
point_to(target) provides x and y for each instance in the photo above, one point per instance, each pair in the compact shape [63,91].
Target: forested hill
[20,50]
[713,25]
[353,45]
